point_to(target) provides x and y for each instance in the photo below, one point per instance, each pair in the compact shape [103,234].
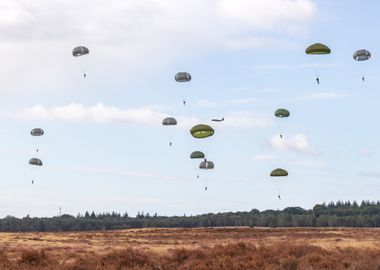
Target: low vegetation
[340,214]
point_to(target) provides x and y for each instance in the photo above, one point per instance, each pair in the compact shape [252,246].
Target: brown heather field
[201,248]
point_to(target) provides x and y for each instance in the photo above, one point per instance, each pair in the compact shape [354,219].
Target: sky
[105,148]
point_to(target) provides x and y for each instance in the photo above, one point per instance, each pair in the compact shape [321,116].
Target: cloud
[297,66]
[371,174]
[246,120]
[204,103]
[297,144]
[321,96]
[242,101]
[311,163]
[99,113]
[130,34]
[264,158]
[120,172]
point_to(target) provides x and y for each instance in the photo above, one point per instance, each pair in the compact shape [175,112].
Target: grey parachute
[182,77]
[169,121]
[197,154]
[35,161]
[361,55]
[206,165]
[80,50]
[37,132]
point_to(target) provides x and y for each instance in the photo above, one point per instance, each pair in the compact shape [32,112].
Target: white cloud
[246,120]
[371,174]
[311,163]
[121,172]
[297,66]
[74,112]
[204,103]
[321,96]
[132,33]
[264,158]
[242,100]
[297,143]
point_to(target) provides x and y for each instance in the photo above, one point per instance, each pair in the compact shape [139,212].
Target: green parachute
[318,48]
[279,172]
[282,113]
[202,131]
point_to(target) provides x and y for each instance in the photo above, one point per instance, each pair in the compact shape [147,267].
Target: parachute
[35,161]
[279,172]
[318,48]
[206,165]
[362,55]
[182,77]
[202,131]
[37,132]
[169,121]
[282,113]
[80,50]
[197,154]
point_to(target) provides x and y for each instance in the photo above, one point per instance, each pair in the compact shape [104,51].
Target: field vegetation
[200,248]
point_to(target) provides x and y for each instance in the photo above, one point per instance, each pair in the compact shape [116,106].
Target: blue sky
[104,147]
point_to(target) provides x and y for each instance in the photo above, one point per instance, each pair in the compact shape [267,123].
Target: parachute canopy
[279,172]
[361,55]
[37,132]
[282,113]
[197,154]
[206,165]
[169,121]
[201,131]
[35,161]
[182,77]
[317,48]
[80,50]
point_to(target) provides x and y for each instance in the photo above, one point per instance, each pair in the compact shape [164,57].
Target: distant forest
[339,214]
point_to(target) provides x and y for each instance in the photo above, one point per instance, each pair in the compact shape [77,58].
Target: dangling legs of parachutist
[317,79]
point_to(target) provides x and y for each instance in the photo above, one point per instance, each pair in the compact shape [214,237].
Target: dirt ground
[66,246]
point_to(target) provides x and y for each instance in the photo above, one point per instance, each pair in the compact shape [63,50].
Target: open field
[201,248]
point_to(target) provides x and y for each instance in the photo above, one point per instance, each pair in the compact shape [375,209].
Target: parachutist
[205,188]
[281,136]
[170,144]
[363,79]
[317,79]
[198,176]
[37,150]
[279,197]
[184,102]
[32,182]
[84,75]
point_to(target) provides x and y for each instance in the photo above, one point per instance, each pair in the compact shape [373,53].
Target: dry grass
[211,248]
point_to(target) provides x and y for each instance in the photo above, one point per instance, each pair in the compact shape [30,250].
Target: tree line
[339,214]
